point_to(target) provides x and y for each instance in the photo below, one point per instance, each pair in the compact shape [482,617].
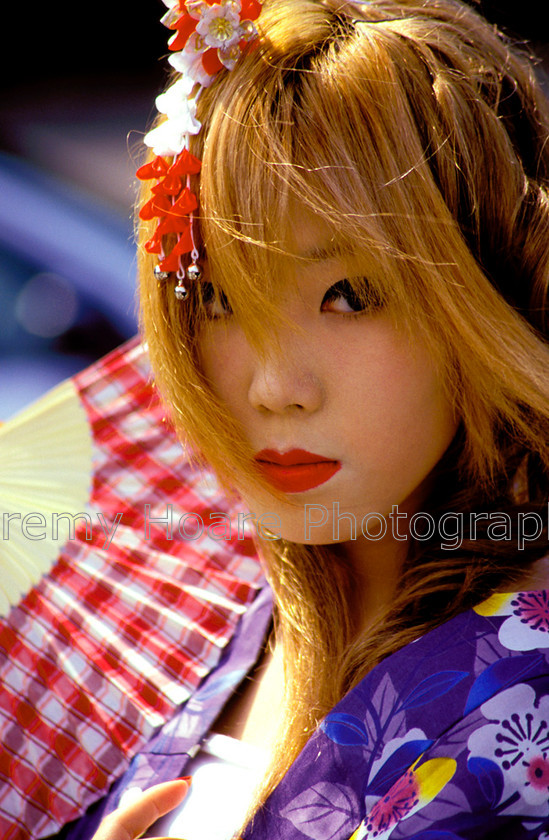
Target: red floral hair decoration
[208,36]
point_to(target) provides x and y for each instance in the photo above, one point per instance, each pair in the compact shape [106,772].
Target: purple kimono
[448,738]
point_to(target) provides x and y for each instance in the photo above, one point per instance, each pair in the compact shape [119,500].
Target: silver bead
[159,274]
[194,273]
[248,30]
[181,292]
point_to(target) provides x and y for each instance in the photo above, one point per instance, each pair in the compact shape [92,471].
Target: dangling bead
[159,274]
[194,273]
[181,292]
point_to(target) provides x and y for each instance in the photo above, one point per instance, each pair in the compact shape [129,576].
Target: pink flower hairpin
[208,37]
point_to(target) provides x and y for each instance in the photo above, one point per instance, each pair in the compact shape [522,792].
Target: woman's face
[346,414]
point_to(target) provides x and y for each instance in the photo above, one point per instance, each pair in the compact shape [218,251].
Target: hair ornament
[208,36]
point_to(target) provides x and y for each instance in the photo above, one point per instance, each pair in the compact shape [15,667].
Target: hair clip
[208,37]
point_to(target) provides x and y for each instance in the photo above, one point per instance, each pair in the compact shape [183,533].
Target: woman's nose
[282,383]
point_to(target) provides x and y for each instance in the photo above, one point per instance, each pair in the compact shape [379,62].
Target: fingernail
[187,779]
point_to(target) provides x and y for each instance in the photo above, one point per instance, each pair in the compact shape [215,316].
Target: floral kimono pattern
[447,739]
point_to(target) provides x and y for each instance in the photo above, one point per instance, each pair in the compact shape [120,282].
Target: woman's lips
[297,470]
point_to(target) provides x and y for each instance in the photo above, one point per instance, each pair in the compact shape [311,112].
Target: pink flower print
[394,806]
[538,773]
[415,789]
[532,608]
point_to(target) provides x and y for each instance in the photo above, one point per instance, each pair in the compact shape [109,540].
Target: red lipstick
[297,470]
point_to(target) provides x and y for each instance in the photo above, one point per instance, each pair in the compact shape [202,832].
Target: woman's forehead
[308,237]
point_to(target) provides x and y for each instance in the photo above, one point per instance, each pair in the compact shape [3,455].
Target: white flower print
[517,740]
[527,627]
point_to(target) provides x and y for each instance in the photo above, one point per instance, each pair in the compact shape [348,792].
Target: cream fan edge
[45,470]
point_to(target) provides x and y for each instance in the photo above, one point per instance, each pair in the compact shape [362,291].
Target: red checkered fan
[100,643]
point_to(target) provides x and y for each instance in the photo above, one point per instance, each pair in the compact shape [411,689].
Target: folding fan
[117,593]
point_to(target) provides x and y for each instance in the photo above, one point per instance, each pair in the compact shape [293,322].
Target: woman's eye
[342,297]
[215,303]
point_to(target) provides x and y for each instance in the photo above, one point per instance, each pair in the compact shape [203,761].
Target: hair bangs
[295,131]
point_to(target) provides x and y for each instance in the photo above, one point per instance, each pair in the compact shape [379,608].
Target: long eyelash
[359,303]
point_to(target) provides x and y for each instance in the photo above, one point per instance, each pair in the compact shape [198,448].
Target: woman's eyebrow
[323,253]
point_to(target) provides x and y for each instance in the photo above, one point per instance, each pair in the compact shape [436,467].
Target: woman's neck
[375,569]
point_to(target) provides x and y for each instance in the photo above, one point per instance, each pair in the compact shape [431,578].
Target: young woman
[360,354]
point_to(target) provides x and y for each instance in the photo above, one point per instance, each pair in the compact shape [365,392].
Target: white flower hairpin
[209,36]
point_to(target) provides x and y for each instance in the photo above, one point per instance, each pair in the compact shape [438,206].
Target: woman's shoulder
[510,620]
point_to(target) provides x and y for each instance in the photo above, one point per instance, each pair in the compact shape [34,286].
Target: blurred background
[74,106]
[73,110]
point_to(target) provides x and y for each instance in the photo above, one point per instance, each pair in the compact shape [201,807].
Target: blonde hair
[419,135]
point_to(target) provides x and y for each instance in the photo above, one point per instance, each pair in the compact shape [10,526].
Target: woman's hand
[130,821]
